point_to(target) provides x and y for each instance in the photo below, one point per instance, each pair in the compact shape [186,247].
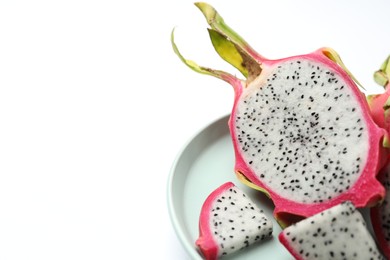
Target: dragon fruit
[229,221]
[300,126]
[339,232]
[379,105]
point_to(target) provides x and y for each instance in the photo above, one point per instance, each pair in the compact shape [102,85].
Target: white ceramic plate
[204,164]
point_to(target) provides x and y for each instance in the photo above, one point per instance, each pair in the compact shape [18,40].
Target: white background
[94,107]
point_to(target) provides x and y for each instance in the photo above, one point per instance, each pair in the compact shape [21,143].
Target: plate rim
[170,202]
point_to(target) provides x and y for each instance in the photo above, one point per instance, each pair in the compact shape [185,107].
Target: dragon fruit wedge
[339,232]
[229,221]
[300,126]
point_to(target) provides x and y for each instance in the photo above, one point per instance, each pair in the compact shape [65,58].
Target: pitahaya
[301,128]
[339,232]
[229,221]
[379,105]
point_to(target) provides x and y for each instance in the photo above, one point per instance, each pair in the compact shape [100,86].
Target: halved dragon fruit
[339,232]
[301,128]
[230,221]
[379,105]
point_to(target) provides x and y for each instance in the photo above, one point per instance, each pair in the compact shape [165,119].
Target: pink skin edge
[284,206]
[205,242]
[286,244]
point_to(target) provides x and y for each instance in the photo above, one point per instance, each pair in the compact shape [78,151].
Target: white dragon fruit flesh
[336,233]
[230,221]
[300,126]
